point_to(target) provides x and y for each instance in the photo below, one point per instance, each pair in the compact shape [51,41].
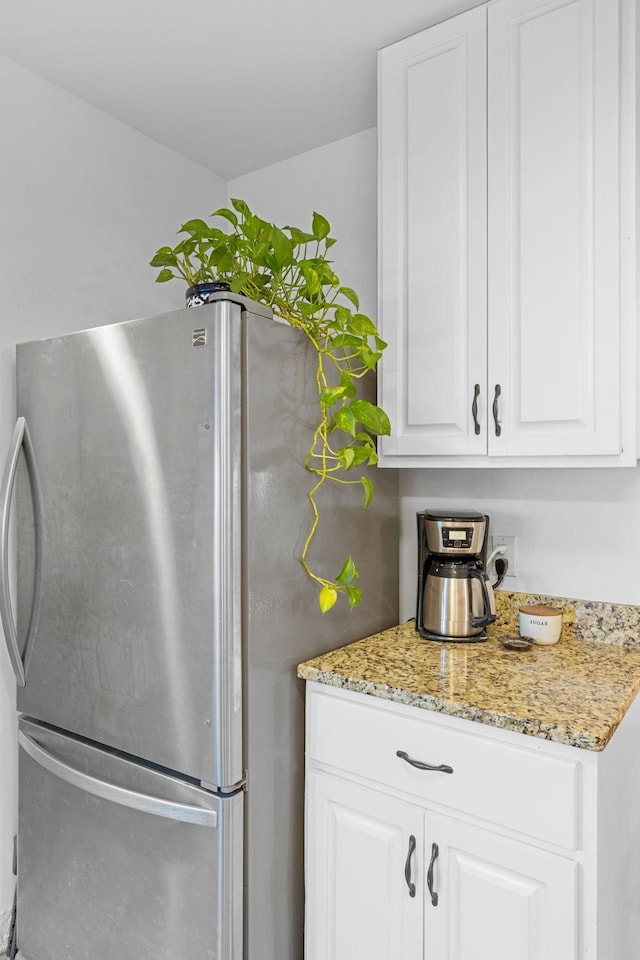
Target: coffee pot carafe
[455,598]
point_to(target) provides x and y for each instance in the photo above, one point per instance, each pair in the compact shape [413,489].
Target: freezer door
[135,430]
[117,859]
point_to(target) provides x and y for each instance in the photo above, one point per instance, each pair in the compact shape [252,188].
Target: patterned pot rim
[210,286]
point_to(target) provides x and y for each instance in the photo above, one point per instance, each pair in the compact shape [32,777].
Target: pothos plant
[287,269]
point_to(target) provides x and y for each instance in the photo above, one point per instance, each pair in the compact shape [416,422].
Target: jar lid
[540,610]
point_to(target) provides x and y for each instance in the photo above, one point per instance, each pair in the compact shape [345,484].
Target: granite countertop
[574,692]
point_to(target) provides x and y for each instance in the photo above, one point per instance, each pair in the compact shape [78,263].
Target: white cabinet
[432,237]
[364,895]
[517,849]
[507,237]
[498,899]
[386,886]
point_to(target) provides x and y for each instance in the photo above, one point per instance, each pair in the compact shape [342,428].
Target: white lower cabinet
[386,887]
[365,894]
[422,845]
[495,898]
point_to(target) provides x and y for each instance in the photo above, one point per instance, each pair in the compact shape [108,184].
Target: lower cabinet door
[491,898]
[365,875]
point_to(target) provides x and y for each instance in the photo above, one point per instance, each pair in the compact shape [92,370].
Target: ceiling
[233,85]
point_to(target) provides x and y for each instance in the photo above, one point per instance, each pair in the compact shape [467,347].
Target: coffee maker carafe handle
[487,616]
[423,557]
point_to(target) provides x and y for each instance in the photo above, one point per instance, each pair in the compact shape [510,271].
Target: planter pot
[200,293]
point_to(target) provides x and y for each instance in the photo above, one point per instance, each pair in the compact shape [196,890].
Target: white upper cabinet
[507,237]
[433,238]
[554,190]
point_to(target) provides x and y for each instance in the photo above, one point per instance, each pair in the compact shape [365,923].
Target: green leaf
[351,295]
[165,275]
[368,445]
[195,227]
[331,395]
[226,263]
[361,324]
[345,420]
[282,248]
[372,417]
[251,228]
[349,572]
[369,490]
[309,309]
[241,206]
[186,246]
[311,280]
[346,455]
[219,253]
[326,274]
[368,357]
[346,340]
[164,257]
[320,226]
[238,282]
[327,598]
[354,594]
[361,455]
[342,316]
[227,214]
[262,228]
[299,236]
[346,381]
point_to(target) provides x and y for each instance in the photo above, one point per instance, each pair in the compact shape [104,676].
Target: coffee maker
[455,598]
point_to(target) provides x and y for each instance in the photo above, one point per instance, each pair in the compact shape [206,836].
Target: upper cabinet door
[554,148]
[432,238]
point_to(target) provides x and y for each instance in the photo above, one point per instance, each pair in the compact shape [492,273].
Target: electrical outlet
[499,539]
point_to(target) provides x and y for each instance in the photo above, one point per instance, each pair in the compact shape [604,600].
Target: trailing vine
[287,269]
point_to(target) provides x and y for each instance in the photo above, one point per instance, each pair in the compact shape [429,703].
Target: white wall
[338,181]
[578,531]
[84,203]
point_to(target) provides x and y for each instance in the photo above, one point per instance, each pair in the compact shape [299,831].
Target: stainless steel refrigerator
[160,508]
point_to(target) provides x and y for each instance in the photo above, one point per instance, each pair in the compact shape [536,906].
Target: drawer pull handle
[496,394]
[442,768]
[407,866]
[434,856]
[474,409]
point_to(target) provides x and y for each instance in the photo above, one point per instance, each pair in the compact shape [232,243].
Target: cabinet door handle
[441,768]
[498,391]
[407,866]
[474,409]
[434,856]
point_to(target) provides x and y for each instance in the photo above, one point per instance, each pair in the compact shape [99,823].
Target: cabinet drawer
[517,787]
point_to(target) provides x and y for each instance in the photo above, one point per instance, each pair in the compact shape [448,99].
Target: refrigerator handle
[115,793]
[21,438]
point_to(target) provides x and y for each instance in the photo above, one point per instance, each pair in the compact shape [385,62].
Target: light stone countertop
[574,692]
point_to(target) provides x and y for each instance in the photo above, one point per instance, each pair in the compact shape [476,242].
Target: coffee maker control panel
[450,535]
[454,537]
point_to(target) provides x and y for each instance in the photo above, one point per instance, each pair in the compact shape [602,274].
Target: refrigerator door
[283,624]
[120,859]
[136,432]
